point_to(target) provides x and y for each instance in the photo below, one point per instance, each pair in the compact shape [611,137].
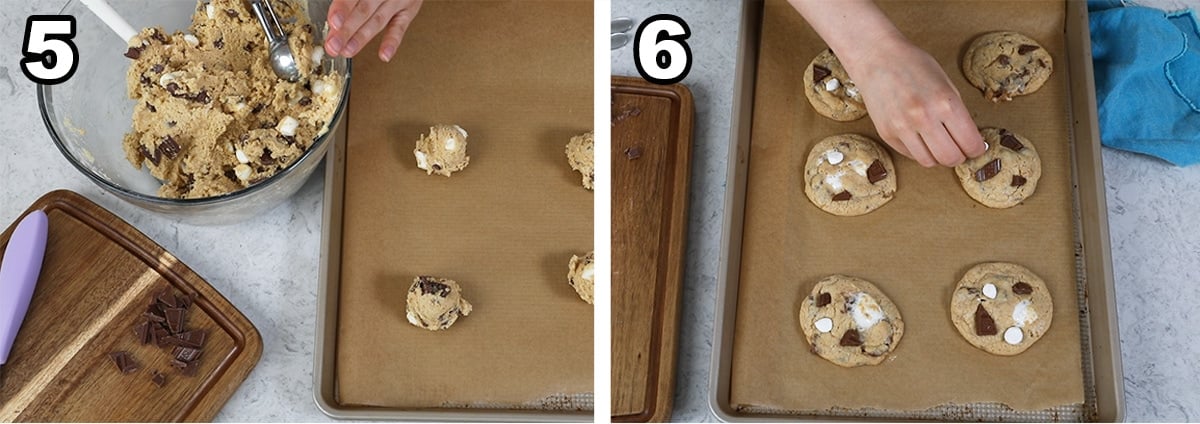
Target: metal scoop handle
[282,60]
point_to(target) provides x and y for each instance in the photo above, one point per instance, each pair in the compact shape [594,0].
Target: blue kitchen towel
[1147,66]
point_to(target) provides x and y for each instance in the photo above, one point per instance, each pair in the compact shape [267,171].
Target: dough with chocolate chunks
[850,322]
[443,151]
[830,90]
[1005,64]
[849,175]
[435,303]
[1001,308]
[1006,174]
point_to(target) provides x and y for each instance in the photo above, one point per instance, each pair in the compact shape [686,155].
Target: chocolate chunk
[157,68]
[632,153]
[144,80]
[824,299]
[249,46]
[305,101]
[172,88]
[1041,63]
[232,176]
[165,298]
[290,140]
[876,172]
[436,167]
[851,338]
[159,379]
[143,333]
[175,318]
[201,97]
[984,324]
[257,108]
[160,335]
[193,339]
[988,171]
[1010,141]
[1022,288]
[171,124]
[820,73]
[151,108]
[124,362]
[159,36]
[185,354]
[134,53]
[266,158]
[843,196]
[430,285]
[170,149]
[231,13]
[183,301]
[220,43]
[154,314]
[146,154]
[1026,48]
[1003,59]
[1018,181]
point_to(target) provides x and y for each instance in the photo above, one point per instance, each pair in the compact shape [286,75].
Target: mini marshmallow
[832,84]
[865,311]
[241,156]
[422,161]
[989,290]
[589,272]
[852,92]
[461,130]
[834,182]
[242,171]
[859,167]
[287,126]
[1023,315]
[318,54]
[834,157]
[321,88]
[210,10]
[824,325]
[451,143]
[191,39]
[1013,335]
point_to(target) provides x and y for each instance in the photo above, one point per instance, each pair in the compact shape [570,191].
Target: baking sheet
[916,247]
[517,75]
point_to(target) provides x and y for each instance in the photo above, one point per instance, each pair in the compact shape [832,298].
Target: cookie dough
[210,116]
[1006,174]
[830,89]
[581,275]
[435,303]
[849,322]
[849,175]
[580,156]
[1001,308]
[443,151]
[1004,64]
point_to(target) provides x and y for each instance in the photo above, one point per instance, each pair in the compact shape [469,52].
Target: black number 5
[50,56]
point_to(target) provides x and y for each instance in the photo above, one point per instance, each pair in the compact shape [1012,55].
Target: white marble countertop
[1151,208]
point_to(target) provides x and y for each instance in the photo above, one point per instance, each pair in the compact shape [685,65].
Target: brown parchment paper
[517,75]
[916,247]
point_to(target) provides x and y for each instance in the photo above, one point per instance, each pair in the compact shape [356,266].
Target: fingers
[346,40]
[394,34]
[943,148]
[918,151]
[962,129]
[338,11]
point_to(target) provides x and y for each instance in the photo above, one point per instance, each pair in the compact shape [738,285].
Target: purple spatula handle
[18,275]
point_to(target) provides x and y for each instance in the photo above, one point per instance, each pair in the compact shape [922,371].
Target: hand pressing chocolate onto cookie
[914,105]
[353,23]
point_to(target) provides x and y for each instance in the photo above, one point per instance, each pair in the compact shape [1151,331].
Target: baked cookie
[830,89]
[1005,64]
[580,156]
[849,322]
[849,175]
[443,151]
[1001,308]
[581,275]
[1006,174]
[435,303]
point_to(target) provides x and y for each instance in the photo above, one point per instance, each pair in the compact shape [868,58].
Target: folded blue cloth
[1147,65]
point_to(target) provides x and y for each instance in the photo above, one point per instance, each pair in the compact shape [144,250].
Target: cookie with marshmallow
[1001,308]
[830,89]
[848,321]
[849,175]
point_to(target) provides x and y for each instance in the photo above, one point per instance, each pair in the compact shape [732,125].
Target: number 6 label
[660,51]
[50,56]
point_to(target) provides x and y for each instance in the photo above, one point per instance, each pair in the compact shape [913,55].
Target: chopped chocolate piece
[159,379]
[157,68]
[171,124]
[876,172]
[144,80]
[632,153]
[160,335]
[824,299]
[172,88]
[146,154]
[290,140]
[170,149]
[820,73]
[1041,63]
[159,36]
[984,324]
[1022,288]
[436,167]
[193,338]
[1010,141]
[151,108]
[202,97]
[232,13]
[305,101]
[134,53]
[249,46]
[165,298]
[183,301]
[1018,181]
[124,362]
[257,108]
[430,285]
[266,158]
[851,338]
[143,332]
[220,43]
[1026,48]
[988,171]
[1003,59]
[231,175]
[154,312]
[185,354]
[175,317]
[843,196]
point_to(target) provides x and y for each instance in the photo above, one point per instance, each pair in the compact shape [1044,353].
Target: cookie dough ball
[443,151]
[830,89]
[1001,308]
[1006,174]
[580,156]
[849,175]
[581,275]
[849,322]
[1004,64]
[435,303]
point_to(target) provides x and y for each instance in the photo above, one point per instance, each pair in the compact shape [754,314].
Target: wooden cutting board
[98,277]
[651,166]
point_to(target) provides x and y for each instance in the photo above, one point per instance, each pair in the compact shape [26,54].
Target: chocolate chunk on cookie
[435,303]
[850,322]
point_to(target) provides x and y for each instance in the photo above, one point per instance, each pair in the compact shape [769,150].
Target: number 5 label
[50,56]
[660,51]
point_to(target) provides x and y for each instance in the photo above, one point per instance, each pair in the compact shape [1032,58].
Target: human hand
[353,23]
[914,105]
